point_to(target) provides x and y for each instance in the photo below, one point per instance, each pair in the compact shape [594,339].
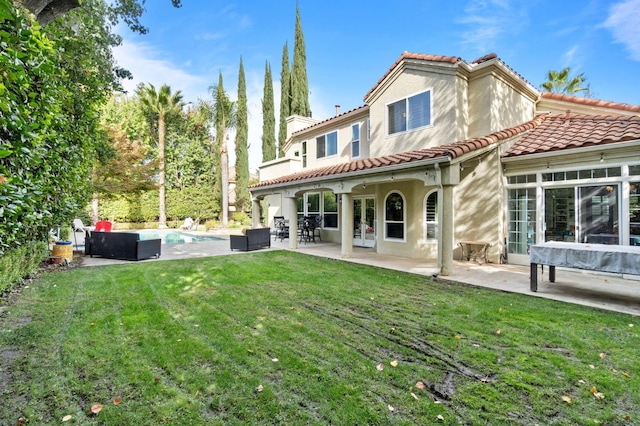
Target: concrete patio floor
[603,291]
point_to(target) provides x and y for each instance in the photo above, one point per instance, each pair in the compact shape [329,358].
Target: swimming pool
[171,236]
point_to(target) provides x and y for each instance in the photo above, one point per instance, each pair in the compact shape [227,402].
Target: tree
[268,117]
[161,103]
[46,11]
[561,82]
[242,147]
[224,119]
[299,83]
[285,100]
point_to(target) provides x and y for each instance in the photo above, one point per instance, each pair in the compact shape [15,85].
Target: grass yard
[283,338]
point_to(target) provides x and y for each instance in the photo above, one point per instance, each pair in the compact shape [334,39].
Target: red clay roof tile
[445,152]
[591,102]
[566,131]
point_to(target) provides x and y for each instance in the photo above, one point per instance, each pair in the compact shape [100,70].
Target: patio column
[255,213]
[346,225]
[291,208]
[445,244]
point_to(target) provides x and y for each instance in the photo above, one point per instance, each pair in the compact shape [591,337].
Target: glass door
[599,218]
[364,221]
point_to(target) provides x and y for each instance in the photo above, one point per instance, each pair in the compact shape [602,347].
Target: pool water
[175,237]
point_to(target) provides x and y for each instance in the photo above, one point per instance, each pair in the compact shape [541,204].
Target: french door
[364,221]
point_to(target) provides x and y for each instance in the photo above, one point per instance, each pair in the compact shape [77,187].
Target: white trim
[406,99]
[404,218]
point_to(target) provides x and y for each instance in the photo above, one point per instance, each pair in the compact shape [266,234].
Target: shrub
[20,262]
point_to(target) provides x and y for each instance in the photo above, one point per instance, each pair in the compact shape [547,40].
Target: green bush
[20,262]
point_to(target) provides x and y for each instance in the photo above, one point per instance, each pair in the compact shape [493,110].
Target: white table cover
[595,257]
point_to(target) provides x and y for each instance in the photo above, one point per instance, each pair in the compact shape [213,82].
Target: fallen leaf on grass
[67,418]
[441,417]
[597,394]
[567,399]
[420,385]
[95,409]
[275,359]
[499,332]
[603,355]
[414,396]
[260,388]
[394,363]
[117,401]
[380,367]
[458,336]
[625,374]
[630,325]
[391,408]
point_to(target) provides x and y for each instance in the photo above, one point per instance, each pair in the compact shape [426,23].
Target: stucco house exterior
[444,151]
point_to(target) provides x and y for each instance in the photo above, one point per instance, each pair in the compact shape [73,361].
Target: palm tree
[560,82]
[161,103]
[224,119]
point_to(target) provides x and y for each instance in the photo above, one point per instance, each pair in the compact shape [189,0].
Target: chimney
[337,110]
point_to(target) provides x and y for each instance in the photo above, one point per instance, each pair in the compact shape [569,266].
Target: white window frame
[326,145]
[406,114]
[355,142]
[433,223]
[404,218]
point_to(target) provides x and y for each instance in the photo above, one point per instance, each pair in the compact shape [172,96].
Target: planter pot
[64,249]
[55,260]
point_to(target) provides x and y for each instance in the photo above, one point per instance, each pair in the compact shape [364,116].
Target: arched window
[394,216]
[431,216]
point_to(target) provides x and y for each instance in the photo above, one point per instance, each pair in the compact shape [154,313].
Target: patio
[603,291]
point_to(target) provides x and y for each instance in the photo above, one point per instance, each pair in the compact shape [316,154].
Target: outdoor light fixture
[601,157]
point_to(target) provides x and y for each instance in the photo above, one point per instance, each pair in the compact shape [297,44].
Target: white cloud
[486,22]
[623,23]
[139,59]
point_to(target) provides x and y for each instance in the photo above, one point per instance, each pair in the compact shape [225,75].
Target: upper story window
[410,113]
[355,140]
[304,154]
[327,145]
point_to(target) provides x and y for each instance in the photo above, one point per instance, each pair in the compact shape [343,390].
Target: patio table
[593,257]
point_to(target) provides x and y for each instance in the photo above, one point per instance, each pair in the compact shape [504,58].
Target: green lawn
[277,337]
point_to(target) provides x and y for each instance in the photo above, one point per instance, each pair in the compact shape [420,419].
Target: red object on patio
[103,226]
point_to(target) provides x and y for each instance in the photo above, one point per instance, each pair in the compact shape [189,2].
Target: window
[313,204]
[634,213]
[330,209]
[355,140]
[522,220]
[394,216]
[431,216]
[409,113]
[304,154]
[327,145]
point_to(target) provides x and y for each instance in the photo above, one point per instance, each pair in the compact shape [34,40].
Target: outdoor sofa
[121,245]
[252,239]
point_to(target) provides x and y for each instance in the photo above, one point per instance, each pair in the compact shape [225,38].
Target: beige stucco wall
[478,205]
[443,112]
[280,167]
[495,104]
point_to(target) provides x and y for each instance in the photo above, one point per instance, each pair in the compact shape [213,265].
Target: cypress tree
[268,118]
[285,100]
[299,83]
[242,146]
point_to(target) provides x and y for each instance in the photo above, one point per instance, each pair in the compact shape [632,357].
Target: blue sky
[351,44]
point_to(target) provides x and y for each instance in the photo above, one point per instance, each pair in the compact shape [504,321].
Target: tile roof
[590,102]
[408,55]
[567,131]
[326,120]
[443,152]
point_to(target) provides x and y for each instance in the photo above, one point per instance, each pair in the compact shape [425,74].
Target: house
[444,151]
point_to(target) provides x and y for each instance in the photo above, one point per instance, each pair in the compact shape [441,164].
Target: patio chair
[188,224]
[78,226]
[103,226]
[281,226]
